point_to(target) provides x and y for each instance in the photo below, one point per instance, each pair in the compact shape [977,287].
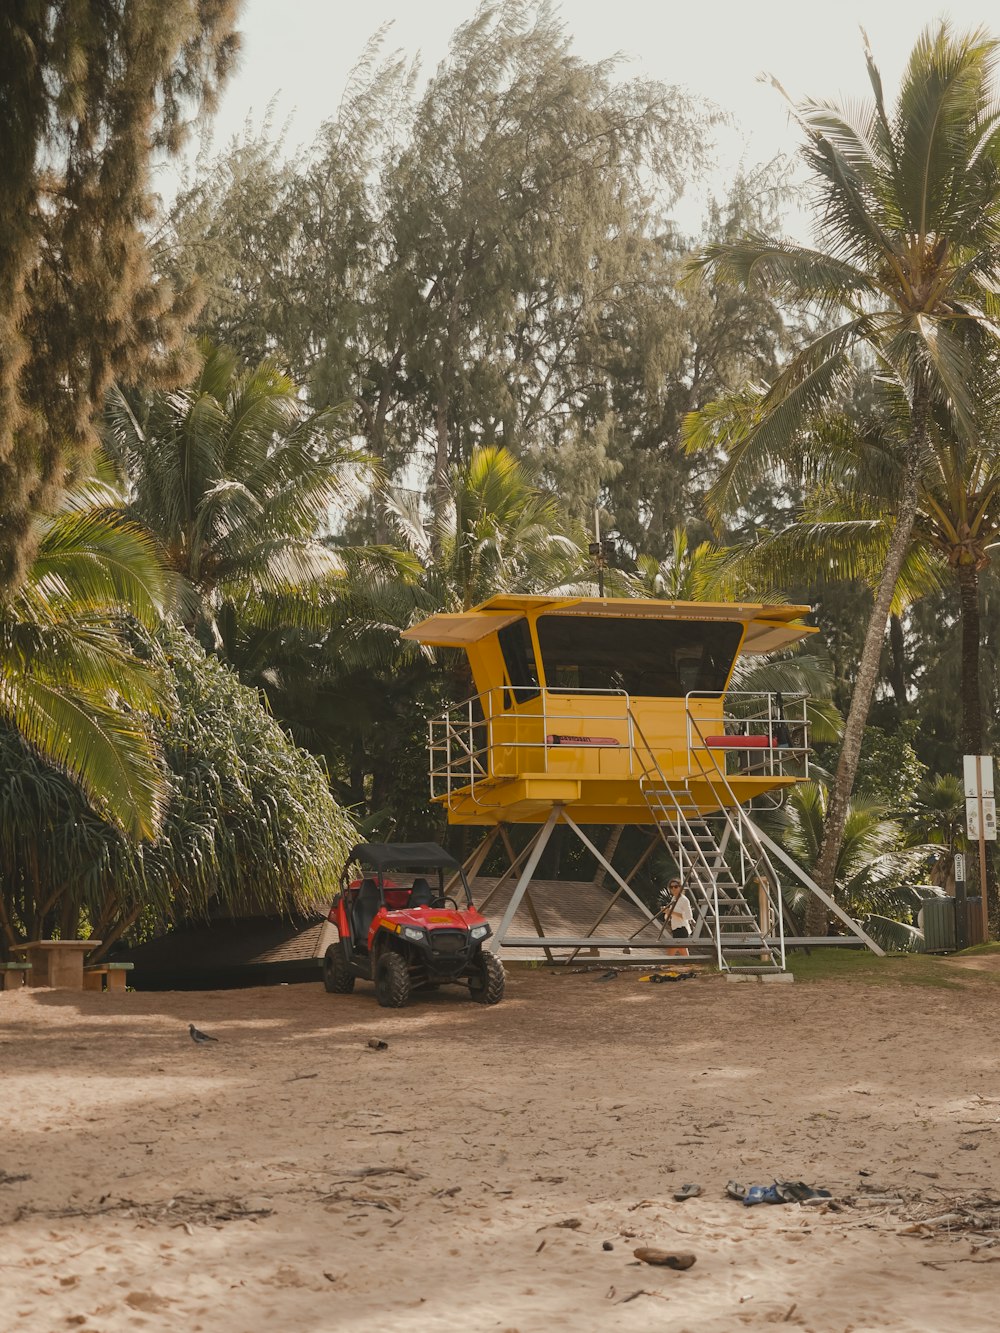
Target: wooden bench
[94,976]
[13,975]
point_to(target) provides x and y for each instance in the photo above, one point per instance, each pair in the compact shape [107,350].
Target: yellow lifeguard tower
[618,711]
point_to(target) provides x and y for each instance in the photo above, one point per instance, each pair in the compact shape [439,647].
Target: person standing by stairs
[679,916]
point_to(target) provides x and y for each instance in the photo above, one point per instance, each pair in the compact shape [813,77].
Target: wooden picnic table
[57,962]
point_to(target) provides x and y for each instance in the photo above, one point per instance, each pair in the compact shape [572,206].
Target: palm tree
[250,825]
[688,574]
[70,686]
[873,861]
[499,532]
[237,482]
[846,521]
[908,222]
[937,813]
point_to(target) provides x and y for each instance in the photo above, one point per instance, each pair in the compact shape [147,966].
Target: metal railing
[480,739]
[674,811]
[764,733]
[494,736]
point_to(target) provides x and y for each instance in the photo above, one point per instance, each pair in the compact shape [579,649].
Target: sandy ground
[469,1176]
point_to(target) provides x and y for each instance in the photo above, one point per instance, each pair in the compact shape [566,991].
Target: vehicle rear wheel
[392,981]
[337,976]
[487,983]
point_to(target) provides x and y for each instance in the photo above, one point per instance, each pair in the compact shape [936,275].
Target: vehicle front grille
[448,941]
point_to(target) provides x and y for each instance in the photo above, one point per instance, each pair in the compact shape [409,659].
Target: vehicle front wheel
[337,976]
[487,982]
[392,981]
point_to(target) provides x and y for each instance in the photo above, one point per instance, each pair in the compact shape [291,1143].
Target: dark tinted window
[519,659]
[662,658]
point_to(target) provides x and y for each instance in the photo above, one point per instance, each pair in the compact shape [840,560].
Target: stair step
[763,970]
[723,912]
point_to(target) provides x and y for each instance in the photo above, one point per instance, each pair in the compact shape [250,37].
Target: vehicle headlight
[413,933]
[477,932]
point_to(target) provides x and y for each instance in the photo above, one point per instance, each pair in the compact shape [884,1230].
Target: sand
[469,1176]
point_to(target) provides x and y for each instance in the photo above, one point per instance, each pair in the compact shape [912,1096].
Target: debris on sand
[679,1259]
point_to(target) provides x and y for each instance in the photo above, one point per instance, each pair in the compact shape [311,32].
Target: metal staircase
[745,941]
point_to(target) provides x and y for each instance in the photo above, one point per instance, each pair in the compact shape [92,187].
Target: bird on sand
[199,1037]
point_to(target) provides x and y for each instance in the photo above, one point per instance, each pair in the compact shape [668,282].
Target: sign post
[961,915]
[980,816]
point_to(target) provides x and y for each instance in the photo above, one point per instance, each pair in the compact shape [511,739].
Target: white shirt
[681,913]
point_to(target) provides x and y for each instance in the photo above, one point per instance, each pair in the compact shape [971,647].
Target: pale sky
[298,54]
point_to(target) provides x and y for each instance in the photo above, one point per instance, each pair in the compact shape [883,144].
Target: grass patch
[828,963]
[978,950]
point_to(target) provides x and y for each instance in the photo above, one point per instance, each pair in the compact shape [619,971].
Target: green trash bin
[938,917]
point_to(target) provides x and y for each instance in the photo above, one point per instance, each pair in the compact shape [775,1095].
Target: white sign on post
[985,774]
[989,817]
[960,867]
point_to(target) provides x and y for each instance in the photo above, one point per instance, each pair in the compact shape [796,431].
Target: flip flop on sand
[797,1191]
[736,1191]
[783,1191]
[762,1194]
[687,1192]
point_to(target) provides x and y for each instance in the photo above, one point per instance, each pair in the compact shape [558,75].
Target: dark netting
[402,856]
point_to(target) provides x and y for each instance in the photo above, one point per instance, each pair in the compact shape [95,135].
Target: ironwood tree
[468,267]
[92,95]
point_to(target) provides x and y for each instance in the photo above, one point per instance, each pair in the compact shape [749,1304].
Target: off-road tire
[486,986]
[392,981]
[337,976]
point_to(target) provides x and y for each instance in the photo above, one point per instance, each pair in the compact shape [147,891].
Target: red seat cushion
[739,742]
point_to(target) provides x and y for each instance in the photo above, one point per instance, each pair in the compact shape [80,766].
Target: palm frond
[893,936]
[110,754]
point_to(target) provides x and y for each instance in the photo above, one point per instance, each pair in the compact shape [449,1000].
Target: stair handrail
[743,823]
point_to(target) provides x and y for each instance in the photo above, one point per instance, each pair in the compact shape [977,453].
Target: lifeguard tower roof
[768,628]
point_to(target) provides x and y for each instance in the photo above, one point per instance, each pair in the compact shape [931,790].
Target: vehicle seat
[366,905]
[420,894]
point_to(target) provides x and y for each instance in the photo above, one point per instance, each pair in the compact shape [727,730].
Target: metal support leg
[476,860]
[526,874]
[515,861]
[537,921]
[655,841]
[781,855]
[607,865]
[590,932]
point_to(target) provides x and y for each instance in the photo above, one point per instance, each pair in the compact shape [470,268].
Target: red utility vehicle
[401,930]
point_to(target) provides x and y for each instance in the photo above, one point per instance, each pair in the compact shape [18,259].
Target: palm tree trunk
[972,707]
[972,712]
[864,689]
[10,938]
[600,875]
[897,661]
